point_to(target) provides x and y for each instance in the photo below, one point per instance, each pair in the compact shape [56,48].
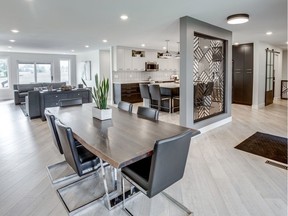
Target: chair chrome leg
[108,205]
[123,202]
[177,203]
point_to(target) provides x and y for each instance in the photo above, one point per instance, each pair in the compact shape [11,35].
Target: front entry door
[270,77]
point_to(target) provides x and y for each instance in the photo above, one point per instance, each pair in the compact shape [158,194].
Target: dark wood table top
[124,139]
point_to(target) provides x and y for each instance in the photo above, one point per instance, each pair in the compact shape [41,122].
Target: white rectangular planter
[102,114]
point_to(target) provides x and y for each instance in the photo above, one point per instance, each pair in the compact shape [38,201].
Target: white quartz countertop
[141,81]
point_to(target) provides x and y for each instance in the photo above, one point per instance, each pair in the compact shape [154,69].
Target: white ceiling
[58,26]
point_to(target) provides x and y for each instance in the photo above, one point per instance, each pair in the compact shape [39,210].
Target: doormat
[23,108]
[266,145]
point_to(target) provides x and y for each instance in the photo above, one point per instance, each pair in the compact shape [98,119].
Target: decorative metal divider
[208,77]
[284,89]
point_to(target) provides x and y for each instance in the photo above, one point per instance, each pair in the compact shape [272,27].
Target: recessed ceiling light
[12,41]
[87,46]
[205,47]
[9,47]
[124,17]
[104,41]
[164,48]
[269,33]
[238,19]
[236,43]
[15,31]
[143,45]
[72,50]
[287,42]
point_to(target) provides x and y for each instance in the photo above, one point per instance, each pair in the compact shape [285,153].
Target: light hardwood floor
[218,180]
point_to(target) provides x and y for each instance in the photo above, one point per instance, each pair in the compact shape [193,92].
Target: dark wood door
[242,84]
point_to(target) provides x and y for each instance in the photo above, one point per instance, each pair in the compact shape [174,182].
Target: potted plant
[100,96]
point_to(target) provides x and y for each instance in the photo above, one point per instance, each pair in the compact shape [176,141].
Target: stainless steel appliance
[151,66]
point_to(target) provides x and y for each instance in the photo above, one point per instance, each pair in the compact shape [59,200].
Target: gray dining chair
[154,174]
[156,96]
[122,105]
[70,102]
[78,157]
[148,113]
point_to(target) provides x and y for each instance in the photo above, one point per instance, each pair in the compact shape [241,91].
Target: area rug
[23,108]
[266,145]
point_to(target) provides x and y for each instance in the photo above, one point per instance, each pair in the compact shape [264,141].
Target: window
[34,72]
[65,71]
[4,73]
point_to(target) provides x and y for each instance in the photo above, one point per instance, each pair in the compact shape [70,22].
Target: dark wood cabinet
[242,84]
[126,92]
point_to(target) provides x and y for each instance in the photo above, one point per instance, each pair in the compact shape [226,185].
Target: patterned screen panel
[208,77]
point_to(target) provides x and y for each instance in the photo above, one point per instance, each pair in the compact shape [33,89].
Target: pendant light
[177,55]
[167,54]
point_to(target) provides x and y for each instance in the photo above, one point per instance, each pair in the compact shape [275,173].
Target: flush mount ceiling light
[86,46]
[269,33]
[143,45]
[12,41]
[238,19]
[104,41]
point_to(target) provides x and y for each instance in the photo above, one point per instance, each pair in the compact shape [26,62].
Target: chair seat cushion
[139,172]
[84,154]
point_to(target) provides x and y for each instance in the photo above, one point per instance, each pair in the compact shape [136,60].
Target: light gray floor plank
[218,180]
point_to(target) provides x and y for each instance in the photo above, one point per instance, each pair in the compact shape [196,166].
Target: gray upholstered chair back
[68,146]
[148,113]
[70,102]
[125,106]
[168,162]
[51,124]
[144,90]
[155,92]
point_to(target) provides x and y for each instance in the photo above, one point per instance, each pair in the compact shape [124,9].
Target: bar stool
[145,94]
[156,96]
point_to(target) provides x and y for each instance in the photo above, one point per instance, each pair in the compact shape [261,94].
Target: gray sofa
[21,90]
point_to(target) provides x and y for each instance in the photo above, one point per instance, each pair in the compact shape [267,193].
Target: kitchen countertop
[141,81]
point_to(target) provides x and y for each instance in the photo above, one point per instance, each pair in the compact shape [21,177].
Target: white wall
[54,59]
[260,73]
[89,56]
[284,65]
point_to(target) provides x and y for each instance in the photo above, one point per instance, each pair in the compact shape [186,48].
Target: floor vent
[276,164]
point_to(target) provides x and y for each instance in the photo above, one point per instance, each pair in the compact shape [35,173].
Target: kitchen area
[132,67]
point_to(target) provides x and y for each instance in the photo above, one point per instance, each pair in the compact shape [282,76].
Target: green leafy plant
[100,92]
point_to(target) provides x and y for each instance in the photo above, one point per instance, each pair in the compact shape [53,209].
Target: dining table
[119,141]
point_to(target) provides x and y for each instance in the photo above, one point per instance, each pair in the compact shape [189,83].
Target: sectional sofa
[21,90]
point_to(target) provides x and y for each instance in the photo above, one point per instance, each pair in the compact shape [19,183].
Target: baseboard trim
[215,125]
[258,106]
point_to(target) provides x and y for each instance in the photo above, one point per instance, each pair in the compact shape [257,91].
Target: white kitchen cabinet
[151,56]
[138,63]
[123,60]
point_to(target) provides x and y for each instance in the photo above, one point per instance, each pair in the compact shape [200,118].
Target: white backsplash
[126,76]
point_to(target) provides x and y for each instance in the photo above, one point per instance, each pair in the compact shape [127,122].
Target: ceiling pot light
[287,42]
[104,41]
[15,31]
[236,43]
[143,45]
[124,17]
[87,46]
[9,47]
[72,50]
[12,41]
[269,33]
[238,19]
